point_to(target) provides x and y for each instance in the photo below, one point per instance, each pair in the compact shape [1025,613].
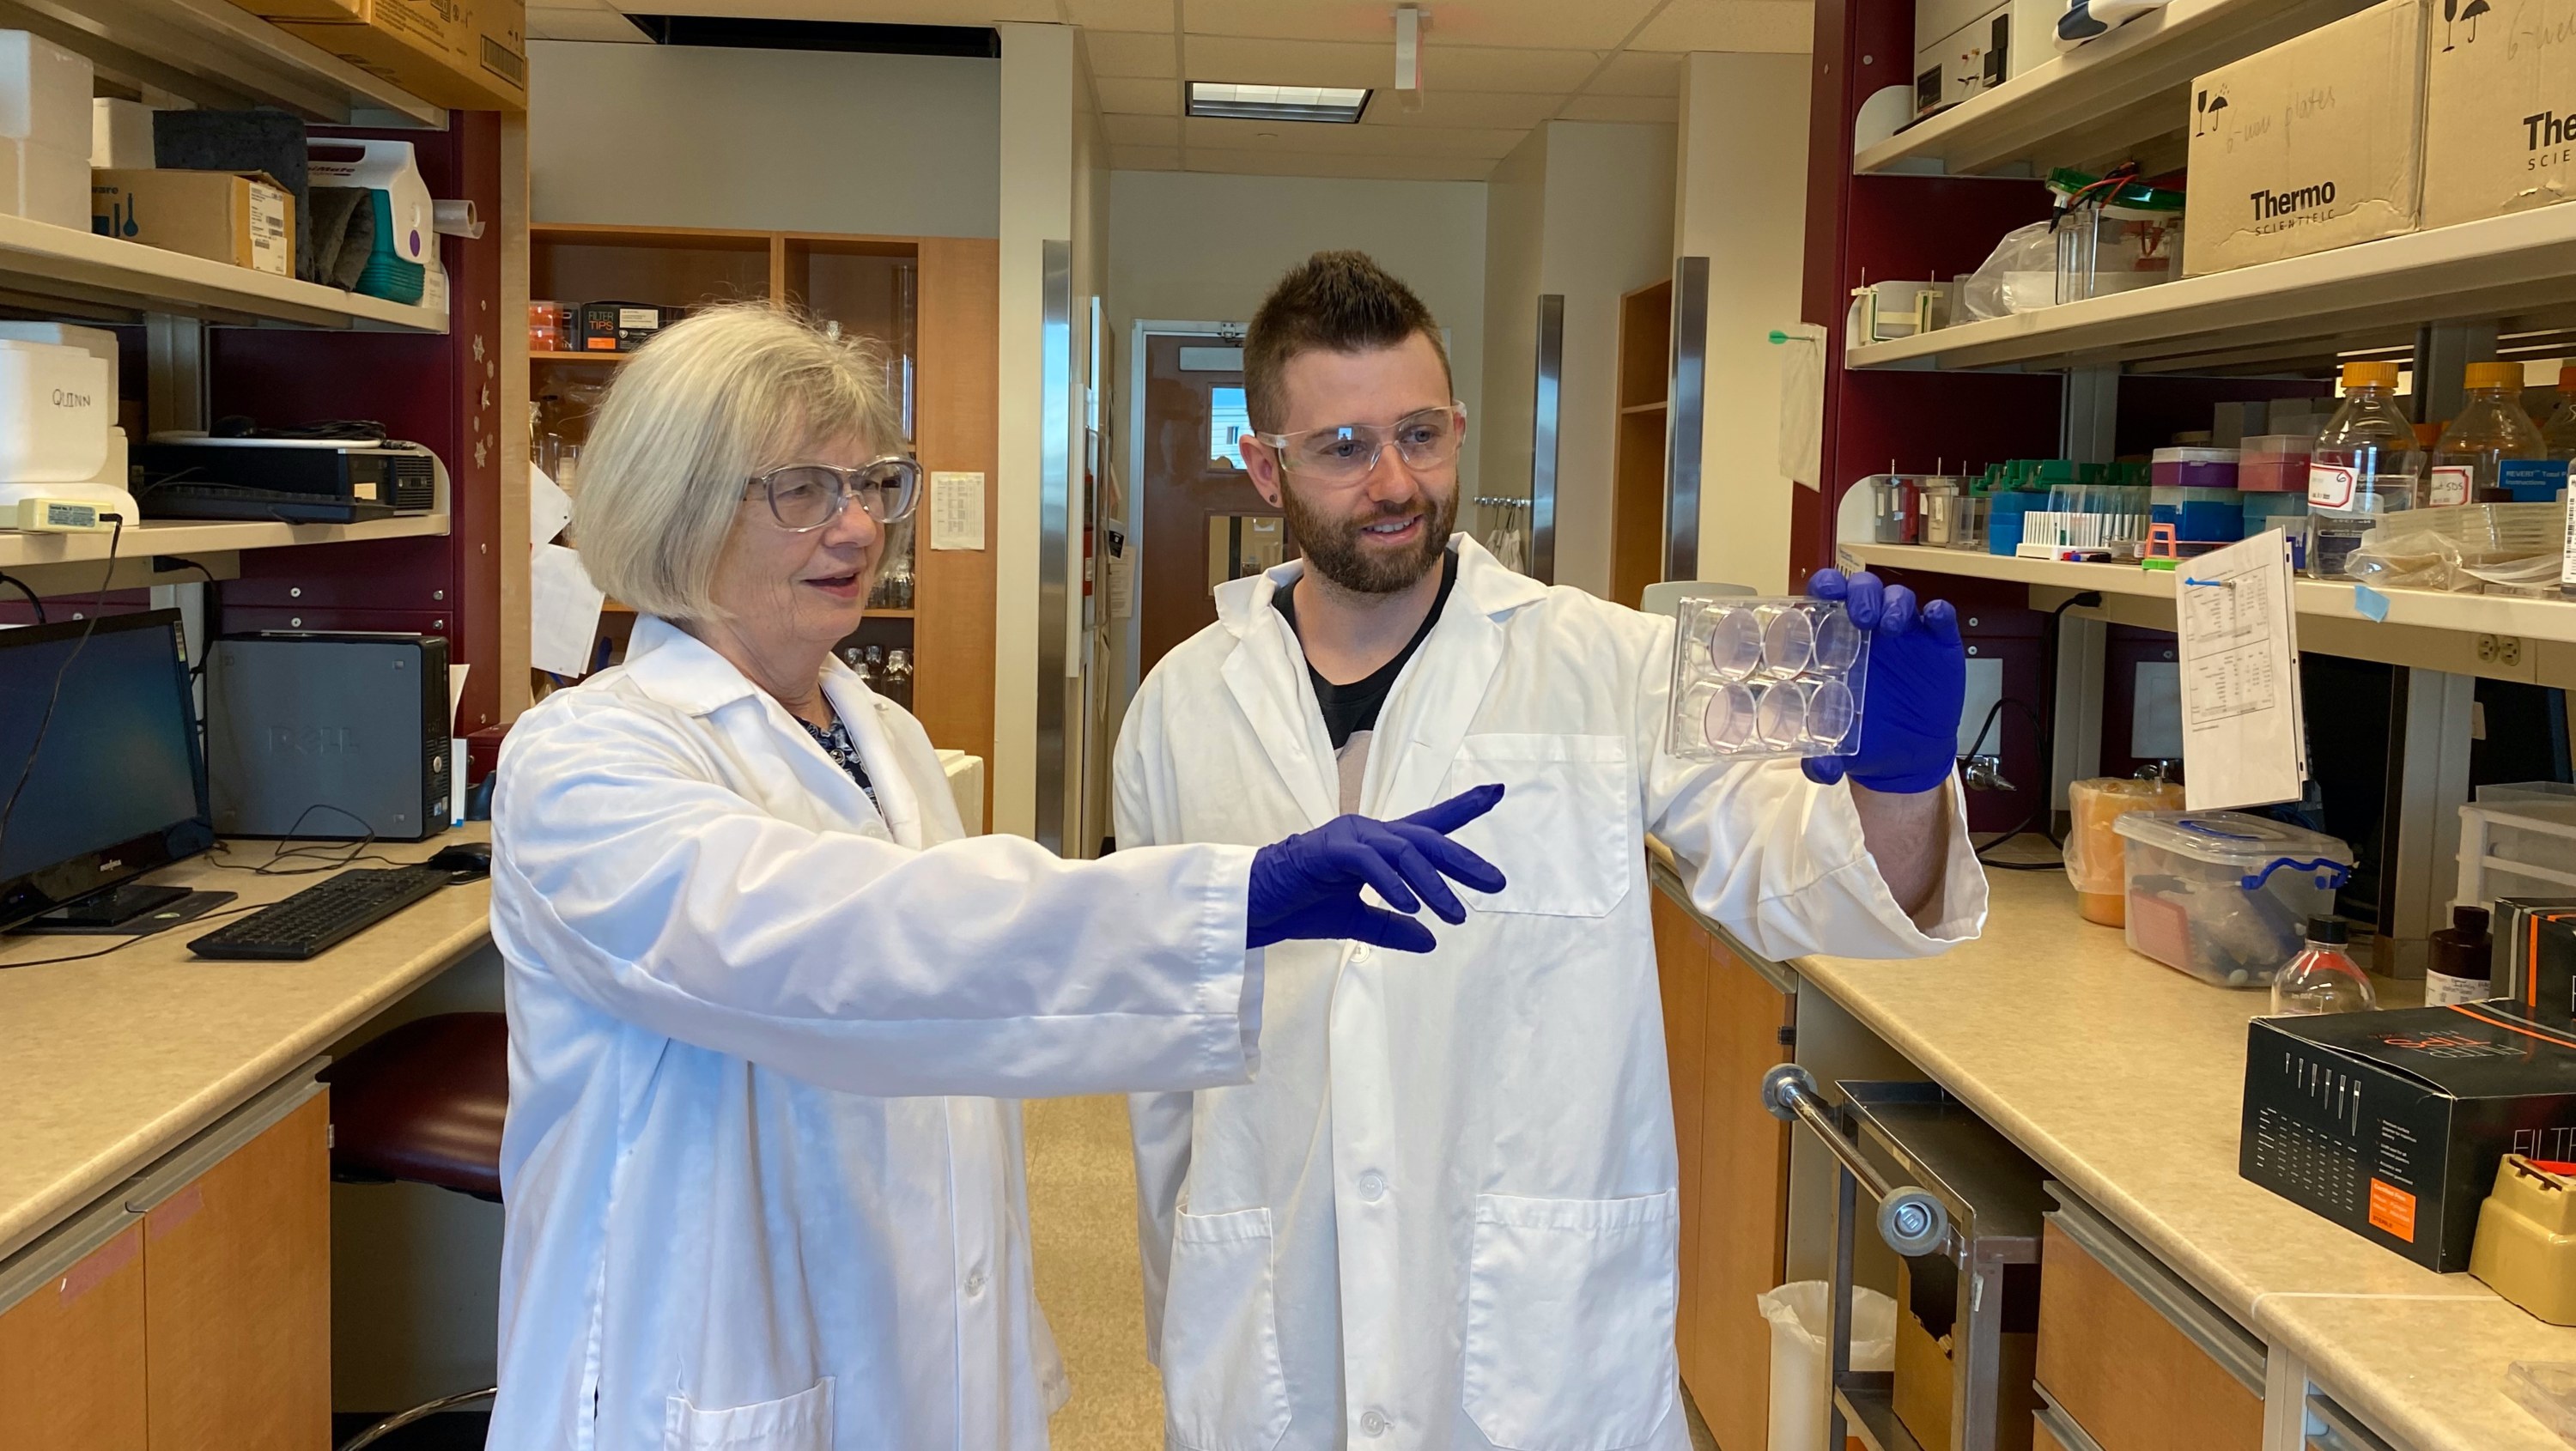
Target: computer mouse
[467,861]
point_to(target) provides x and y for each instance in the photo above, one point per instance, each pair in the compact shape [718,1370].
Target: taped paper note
[1802,403]
[549,507]
[956,511]
[2244,731]
[563,611]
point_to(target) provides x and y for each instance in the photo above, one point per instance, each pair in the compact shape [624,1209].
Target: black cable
[214,614]
[348,854]
[34,601]
[54,697]
[125,941]
[2044,730]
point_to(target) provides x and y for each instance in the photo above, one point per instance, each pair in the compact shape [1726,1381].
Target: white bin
[1802,1359]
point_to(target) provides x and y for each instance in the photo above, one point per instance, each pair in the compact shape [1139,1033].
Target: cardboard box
[51,186]
[2311,145]
[471,55]
[2499,110]
[2534,960]
[1926,1386]
[339,10]
[2391,1124]
[241,217]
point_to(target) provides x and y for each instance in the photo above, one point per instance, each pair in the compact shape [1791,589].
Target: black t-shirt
[1353,708]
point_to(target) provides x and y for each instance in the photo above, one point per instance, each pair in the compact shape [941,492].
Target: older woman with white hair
[769,1005]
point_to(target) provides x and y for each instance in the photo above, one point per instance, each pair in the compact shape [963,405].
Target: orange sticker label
[2392,1209]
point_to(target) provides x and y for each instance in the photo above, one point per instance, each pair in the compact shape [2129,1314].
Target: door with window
[1204,523]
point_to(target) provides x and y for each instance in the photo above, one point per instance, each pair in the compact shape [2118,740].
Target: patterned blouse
[836,743]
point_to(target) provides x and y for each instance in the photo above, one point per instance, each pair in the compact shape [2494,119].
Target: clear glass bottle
[2322,979]
[2491,429]
[898,676]
[2558,435]
[2366,464]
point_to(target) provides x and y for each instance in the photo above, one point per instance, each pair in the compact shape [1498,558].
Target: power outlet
[2499,649]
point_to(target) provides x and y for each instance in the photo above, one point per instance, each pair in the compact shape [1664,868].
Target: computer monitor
[118,783]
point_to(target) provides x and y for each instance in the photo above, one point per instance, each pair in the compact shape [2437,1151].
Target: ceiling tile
[1775,26]
[1638,73]
[1621,108]
[551,23]
[1343,63]
[883,12]
[1536,24]
[1349,140]
[1121,14]
[1318,163]
[1145,158]
[1141,97]
[1142,130]
[1130,53]
[1463,108]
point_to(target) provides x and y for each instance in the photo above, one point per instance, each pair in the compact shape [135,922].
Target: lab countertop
[110,1063]
[2124,1080]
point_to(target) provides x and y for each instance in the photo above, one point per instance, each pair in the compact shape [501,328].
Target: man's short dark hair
[1338,302]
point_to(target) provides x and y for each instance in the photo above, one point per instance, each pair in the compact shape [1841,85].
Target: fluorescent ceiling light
[1276,103]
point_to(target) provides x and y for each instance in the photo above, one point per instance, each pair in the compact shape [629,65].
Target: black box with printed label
[2391,1124]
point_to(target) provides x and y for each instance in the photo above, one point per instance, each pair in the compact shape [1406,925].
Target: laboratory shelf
[70,272]
[2100,100]
[218,54]
[2516,271]
[2317,599]
[578,357]
[199,536]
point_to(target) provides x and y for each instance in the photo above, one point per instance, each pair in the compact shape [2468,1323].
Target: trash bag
[1802,1359]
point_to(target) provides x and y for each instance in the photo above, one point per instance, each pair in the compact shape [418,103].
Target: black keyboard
[309,922]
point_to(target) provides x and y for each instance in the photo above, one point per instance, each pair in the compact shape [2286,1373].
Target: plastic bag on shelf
[2469,549]
[2020,275]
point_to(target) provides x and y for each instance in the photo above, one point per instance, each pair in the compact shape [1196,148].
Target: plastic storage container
[1953,518]
[1765,677]
[2093,849]
[2199,515]
[2223,895]
[2275,462]
[1898,515]
[2194,468]
[2515,845]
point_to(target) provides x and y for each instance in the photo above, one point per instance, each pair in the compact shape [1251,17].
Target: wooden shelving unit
[932,305]
[218,54]
[1638,453]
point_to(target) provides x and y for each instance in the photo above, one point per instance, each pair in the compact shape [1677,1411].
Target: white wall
[1741,202]
[1515,250]
[1583,210]
[1038,111]
[1609,231]
[1205,247]
[688,136]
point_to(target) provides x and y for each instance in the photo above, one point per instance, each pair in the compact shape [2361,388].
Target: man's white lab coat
[1444,1214]
[741,1214]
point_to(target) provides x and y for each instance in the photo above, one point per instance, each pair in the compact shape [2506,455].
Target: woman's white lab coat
[764,1189]
[1445,1216]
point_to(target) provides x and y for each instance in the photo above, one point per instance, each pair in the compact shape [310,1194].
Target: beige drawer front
[2133,1358]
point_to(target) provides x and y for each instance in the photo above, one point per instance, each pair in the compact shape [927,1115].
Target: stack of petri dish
[1765,677]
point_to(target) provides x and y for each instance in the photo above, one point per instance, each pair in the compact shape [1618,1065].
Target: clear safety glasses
[1346,454]
[805,497]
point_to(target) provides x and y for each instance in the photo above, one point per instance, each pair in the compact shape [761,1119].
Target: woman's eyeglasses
[805,497]
[1348,453]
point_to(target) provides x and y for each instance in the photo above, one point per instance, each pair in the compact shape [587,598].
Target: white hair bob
[689,421]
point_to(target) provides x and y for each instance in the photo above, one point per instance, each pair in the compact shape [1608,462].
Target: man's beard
[1331,542]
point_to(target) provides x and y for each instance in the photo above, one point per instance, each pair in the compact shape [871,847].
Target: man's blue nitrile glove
[1918,683]
[1308,885]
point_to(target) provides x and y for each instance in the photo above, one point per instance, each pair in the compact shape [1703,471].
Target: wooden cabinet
[237,1295]
[71,1344]
[2134,1374]
[1725,1025]
[193,1309]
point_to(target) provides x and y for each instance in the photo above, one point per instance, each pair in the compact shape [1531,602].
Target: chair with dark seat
[423,1104]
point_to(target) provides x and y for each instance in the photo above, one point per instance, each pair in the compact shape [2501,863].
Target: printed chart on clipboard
[2245,739]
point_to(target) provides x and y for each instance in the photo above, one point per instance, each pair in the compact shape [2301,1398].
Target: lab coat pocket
[1568,825]
[1223,1386]
[801,1422]
[1570,1320]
